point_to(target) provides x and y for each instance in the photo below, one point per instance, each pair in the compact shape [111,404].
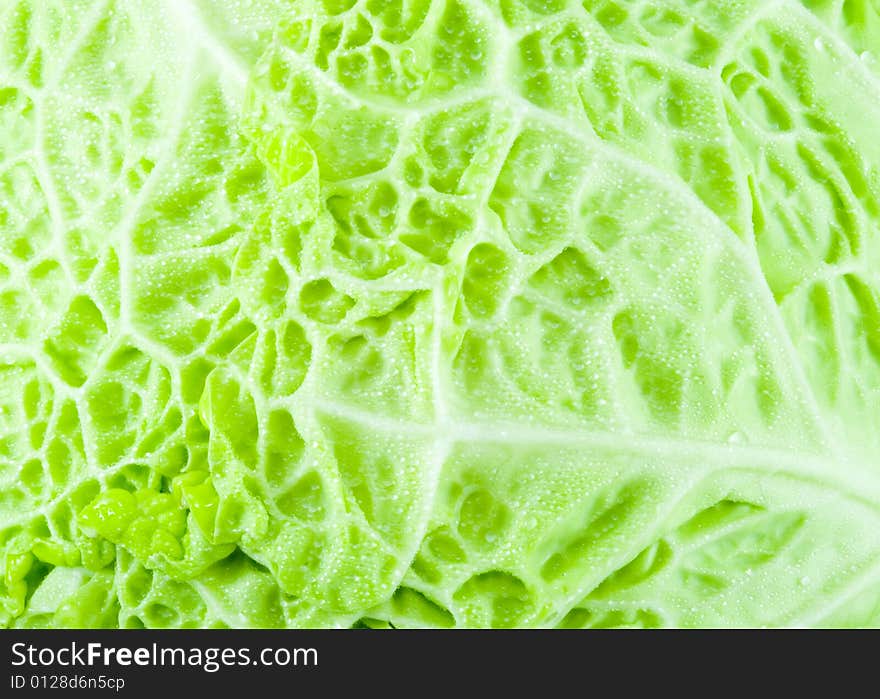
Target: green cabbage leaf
[444,313]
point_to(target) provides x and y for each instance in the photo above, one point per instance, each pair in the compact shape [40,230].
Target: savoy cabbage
[439,313]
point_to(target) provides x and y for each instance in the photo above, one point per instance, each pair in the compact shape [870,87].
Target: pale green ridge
[439,313]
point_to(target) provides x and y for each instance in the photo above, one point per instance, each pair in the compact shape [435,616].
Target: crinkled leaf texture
[439,313]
